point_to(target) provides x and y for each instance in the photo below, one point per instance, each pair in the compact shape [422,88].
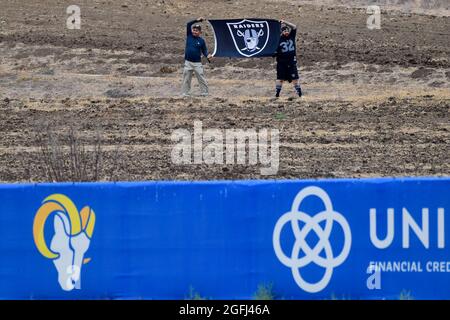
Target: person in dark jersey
[286,55]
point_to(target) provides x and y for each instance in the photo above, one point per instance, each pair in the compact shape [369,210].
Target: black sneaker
[277,95]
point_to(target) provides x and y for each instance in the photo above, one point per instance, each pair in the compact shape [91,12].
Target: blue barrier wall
[310,239]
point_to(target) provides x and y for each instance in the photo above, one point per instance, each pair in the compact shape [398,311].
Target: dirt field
[377,102]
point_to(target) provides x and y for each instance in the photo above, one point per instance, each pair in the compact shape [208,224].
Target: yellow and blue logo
[71,240]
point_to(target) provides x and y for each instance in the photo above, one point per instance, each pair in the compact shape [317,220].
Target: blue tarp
[310,239]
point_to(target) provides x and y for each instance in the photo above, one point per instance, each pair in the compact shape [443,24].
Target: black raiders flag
[246,38]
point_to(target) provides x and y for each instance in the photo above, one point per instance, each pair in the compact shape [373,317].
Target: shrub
[264,292]
[405,295]
[193,295]
[67,158]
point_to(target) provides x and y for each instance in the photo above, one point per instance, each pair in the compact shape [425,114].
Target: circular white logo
[312,255]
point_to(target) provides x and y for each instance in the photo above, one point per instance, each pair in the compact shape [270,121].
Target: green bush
[405,295]
[193,295]
[264,292]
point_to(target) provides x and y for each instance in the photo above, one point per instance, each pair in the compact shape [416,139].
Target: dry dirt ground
[377,102]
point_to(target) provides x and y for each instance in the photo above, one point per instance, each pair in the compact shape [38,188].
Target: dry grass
[66,158]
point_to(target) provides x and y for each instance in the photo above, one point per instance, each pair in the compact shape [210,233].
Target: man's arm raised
[290,24]
[190,23]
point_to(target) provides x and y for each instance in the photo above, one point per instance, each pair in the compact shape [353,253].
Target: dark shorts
[287,71]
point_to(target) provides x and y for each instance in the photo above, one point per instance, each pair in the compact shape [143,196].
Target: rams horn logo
[73,233]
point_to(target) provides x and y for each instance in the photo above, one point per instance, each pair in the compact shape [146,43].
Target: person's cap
[197,26]
[285,28]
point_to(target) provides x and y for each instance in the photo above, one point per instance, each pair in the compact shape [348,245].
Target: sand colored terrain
[377,102]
